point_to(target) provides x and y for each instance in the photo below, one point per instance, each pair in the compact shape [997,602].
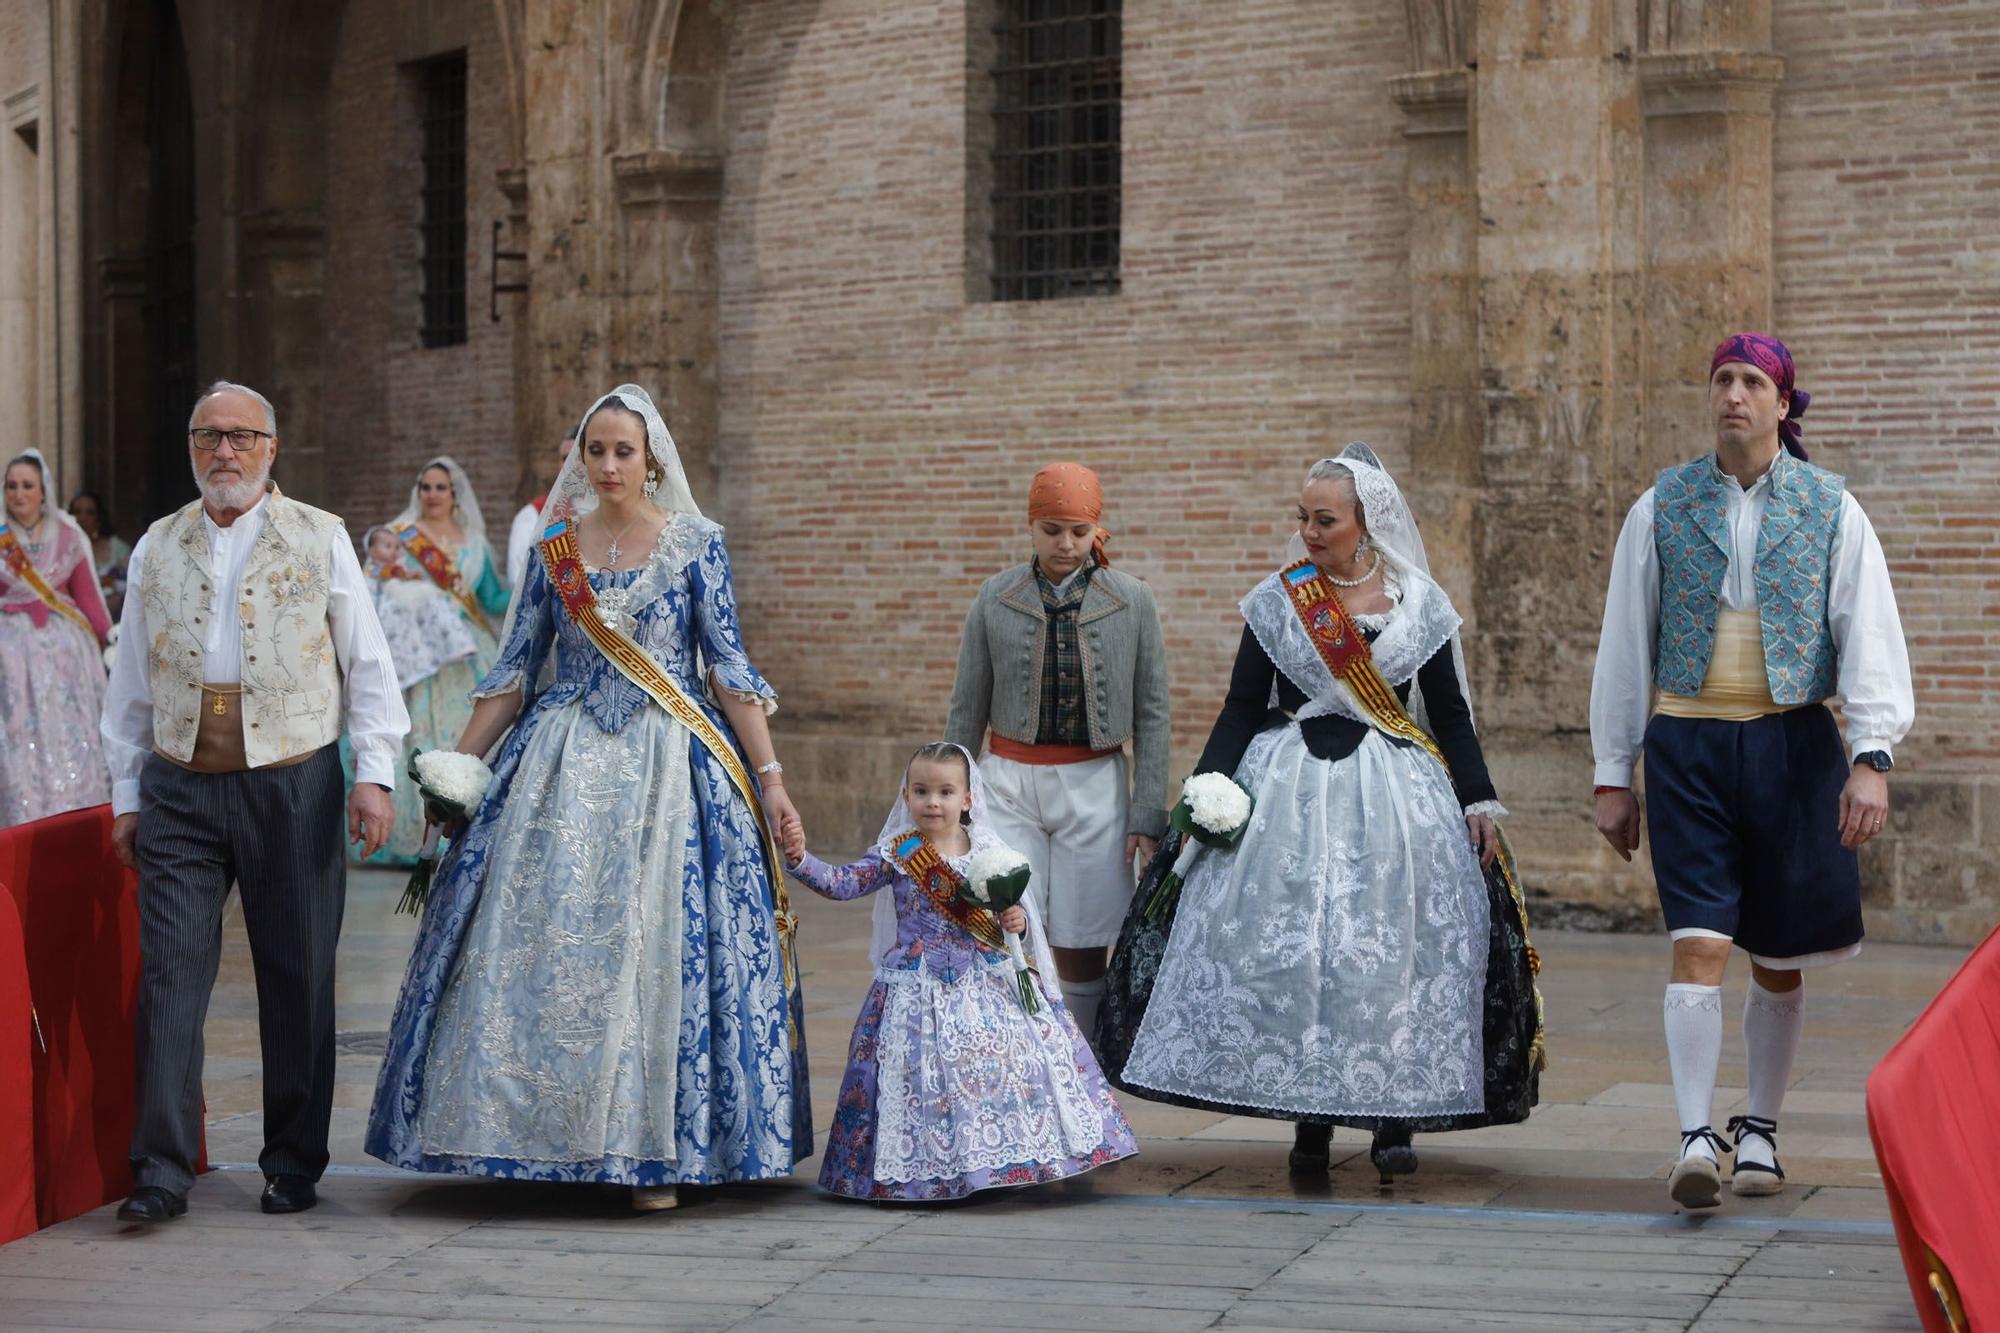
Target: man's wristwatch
[1878,760]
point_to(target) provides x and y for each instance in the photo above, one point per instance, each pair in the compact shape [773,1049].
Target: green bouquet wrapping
[996,880]
[452,785]
[1213,812]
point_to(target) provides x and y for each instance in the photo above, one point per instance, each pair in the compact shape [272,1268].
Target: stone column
[565,57]
[665,314]
[1708,228]
[1445,410]
[1555,118]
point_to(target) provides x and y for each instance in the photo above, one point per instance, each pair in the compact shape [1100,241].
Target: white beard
[236,495]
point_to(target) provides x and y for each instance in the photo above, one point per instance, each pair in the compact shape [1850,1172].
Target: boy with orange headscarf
[1062,662]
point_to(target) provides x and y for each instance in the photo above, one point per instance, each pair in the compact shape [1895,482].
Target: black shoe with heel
[1392,1153]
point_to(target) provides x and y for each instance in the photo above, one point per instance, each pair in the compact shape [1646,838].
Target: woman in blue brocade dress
[599,989]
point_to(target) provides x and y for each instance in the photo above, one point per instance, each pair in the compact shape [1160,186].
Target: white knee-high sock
[1694,1047]
[1082,999]
[1772,1021]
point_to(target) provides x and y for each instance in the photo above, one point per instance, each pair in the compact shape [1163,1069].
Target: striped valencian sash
[917,857]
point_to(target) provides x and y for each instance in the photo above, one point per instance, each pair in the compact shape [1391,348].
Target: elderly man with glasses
[250,643]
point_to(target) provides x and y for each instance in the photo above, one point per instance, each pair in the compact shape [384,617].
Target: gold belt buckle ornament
[221,705]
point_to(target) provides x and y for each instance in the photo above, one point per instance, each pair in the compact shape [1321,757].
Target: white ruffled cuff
[1491,809]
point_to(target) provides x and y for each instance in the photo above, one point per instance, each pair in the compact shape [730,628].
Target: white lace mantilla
[940,1047]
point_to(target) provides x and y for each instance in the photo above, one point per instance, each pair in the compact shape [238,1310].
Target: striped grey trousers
[276,833]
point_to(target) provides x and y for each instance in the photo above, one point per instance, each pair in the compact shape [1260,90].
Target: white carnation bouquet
[111,647]
[1213,812]
[452,786]
[996,879]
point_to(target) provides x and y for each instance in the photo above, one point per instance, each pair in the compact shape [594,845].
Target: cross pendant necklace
[614,552]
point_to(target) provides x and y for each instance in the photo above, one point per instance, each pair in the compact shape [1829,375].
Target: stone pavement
[1559,1223]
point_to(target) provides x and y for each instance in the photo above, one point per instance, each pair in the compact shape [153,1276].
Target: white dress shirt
[1874,665]
[521,539]
[376,720]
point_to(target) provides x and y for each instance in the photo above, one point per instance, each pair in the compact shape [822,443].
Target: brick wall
[1888,288]
[879,430]
[391,403]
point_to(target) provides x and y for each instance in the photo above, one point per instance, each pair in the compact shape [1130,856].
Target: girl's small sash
[443,570]
[1342,646]
[22,568]
[914,854]
[564,563]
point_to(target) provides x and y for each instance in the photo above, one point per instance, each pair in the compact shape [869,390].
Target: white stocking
[1771,1024]
[1081,998]
[1694,1047]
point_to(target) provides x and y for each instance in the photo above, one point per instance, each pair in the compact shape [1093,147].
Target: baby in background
[423,624]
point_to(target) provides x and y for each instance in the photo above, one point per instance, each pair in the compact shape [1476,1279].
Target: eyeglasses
[207,438]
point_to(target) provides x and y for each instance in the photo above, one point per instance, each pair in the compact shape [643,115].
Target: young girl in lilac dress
[952,1086]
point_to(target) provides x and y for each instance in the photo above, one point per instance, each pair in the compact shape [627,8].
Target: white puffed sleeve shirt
[1874,664]
[376,720]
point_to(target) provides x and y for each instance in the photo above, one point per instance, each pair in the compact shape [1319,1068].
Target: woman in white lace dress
[1360,957]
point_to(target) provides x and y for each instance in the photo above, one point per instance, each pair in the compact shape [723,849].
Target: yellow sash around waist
[1737,687]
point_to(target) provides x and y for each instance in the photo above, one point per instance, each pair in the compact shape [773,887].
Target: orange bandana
[1070,493]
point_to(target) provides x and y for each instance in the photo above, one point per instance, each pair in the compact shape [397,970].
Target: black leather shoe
[289,1194]
[152,1203]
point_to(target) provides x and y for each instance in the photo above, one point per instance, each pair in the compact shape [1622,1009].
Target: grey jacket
[1124,662]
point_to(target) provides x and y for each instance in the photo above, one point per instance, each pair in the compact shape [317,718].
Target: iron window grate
[441,88]
[1057,84]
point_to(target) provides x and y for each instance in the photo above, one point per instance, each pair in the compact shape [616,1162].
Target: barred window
[1057,87]
[441,112]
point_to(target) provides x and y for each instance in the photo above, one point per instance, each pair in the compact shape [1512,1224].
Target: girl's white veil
[983,837]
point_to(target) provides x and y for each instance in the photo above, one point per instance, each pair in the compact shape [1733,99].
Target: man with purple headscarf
[1746,588]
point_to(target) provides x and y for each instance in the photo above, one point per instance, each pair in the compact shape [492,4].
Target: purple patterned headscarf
[1774,359]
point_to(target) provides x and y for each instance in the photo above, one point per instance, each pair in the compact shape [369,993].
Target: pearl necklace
[1373,570]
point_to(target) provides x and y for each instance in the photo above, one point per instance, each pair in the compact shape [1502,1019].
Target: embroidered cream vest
[291,679]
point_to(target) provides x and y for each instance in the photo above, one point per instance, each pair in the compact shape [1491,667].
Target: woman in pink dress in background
[52,631]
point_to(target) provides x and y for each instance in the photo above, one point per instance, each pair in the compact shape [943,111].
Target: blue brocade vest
[1793,563]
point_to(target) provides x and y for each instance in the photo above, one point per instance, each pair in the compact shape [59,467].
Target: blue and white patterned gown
[597,991]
